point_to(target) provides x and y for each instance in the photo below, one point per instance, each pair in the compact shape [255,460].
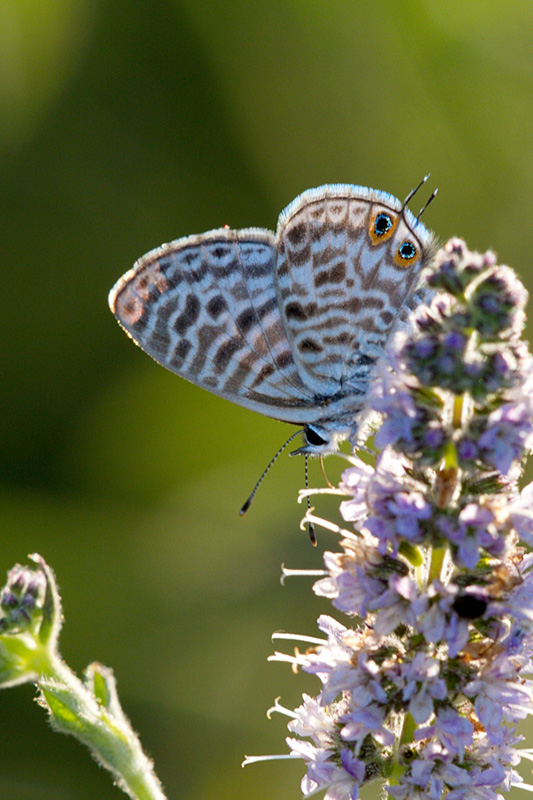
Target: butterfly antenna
[312,534]
[431,197]
[248,503]
[414,191]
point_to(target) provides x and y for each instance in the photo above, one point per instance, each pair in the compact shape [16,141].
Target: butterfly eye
[313,437]
[406,254]
[381,227]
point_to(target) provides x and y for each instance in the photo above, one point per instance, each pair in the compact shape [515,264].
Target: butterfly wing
[205,307]
[340,285]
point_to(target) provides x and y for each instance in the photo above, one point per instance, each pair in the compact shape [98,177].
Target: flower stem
[103,728]
[408,729]
[435,567]
[458,404]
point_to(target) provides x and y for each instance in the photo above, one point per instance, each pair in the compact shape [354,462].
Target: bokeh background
[125,124]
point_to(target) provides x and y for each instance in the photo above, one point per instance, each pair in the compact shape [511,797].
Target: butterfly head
[321,441]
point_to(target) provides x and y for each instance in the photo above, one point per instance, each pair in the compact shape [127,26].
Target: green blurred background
[127,124]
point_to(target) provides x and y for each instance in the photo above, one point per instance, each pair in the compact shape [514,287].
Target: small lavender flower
[424,688]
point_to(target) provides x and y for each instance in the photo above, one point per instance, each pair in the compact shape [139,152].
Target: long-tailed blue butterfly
[289,324]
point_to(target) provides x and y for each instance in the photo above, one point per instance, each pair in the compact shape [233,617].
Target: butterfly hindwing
[341,288]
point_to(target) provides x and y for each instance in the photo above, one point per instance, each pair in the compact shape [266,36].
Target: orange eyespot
[382,226]
[406,254]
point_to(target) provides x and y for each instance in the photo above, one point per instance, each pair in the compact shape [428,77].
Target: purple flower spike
[433,669]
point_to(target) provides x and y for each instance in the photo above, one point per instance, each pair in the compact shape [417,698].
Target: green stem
[435,567]
[458,403]
[408,729]
[75,710]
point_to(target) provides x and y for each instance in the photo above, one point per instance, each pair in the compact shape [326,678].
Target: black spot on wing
[246,320]
[216,306]
[225,353]
[295,310]
[189,315]
[309,346]
[284,359]
[335,275]
[297,233]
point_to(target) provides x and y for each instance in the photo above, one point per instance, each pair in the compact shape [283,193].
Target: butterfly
[289,324]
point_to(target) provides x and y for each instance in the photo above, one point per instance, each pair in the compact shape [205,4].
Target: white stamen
[296,637]
[284,657]
[281,710]
[289,573]
[527,786]
[303,493]
[254,759]
[324,523]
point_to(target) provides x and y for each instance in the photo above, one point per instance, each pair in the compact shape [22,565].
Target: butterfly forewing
[205,307]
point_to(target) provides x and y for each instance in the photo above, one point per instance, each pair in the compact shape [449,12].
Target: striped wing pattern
[339,294]
[205,307]
[288,325]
